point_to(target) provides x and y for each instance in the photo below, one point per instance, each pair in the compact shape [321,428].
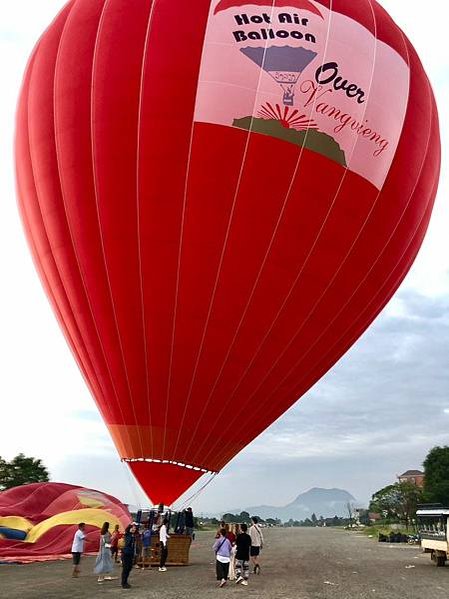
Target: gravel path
[297,564]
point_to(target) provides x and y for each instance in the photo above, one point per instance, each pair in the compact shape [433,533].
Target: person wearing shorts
[77,549]
[256,543]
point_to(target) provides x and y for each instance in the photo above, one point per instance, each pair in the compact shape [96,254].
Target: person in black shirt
[243,543]
[128,554]
[189,522]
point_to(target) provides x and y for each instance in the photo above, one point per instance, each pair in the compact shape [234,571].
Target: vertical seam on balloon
[286,199]
[178,276]
[81,360]
[95,181]
[61,321]
[38,204]
[62,197]
[377,259]
[310,253]
[230,221]
[178,273]
[75,253]
[139,246]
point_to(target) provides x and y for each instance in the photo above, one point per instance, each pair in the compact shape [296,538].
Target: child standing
[115,537]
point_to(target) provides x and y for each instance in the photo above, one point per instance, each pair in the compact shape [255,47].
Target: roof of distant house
[412,473]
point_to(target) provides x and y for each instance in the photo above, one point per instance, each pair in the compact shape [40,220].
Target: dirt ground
[296,564]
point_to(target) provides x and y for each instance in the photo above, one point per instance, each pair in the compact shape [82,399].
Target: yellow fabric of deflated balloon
[90,517]
[16,523]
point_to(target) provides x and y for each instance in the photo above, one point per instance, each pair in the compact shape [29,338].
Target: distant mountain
[322,502]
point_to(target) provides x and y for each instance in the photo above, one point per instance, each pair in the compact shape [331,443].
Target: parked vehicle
[433,530]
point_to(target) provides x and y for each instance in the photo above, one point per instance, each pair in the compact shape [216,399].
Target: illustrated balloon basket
[178,552]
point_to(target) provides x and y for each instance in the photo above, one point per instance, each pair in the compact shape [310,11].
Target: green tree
[436,471]
[308,522]
[230,518]
[385,502]
[364,517]
[335,521]
[273,521]
[4,473]
[397,502]
[314,519]
[22,470]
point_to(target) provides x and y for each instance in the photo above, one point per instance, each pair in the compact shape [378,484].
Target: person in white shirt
[256,535]
[163,538]
[78,548]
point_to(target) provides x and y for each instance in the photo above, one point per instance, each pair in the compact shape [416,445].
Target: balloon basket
[178,552]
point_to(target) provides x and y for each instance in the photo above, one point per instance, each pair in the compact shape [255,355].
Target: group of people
[235,548]
[131,549]
[133,545]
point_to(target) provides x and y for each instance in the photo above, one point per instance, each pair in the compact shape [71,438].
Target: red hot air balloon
[220,197]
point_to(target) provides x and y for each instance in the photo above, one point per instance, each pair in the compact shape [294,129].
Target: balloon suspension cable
[133,484]
[192,497]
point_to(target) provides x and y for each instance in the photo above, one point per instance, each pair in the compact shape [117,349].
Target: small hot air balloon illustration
[284,63]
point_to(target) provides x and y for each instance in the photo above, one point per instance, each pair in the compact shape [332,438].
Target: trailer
[433,531]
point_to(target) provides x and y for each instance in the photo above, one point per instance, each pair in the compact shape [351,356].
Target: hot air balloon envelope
[220,197]
[38,521]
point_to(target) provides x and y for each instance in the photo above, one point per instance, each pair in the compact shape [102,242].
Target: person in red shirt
[114,542]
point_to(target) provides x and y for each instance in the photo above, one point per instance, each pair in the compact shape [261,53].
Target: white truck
[433,530]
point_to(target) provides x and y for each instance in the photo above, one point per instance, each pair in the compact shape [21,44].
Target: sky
[373,416]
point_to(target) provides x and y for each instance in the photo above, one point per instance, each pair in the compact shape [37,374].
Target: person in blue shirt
[146,545]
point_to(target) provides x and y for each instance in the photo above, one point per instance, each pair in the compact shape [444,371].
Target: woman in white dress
[233,532]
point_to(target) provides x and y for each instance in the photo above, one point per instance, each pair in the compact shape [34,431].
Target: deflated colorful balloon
[220,197]
[38,521]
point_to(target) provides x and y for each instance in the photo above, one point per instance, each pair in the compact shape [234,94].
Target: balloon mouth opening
[172,462]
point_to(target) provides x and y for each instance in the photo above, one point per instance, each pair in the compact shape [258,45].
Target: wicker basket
[178,551]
